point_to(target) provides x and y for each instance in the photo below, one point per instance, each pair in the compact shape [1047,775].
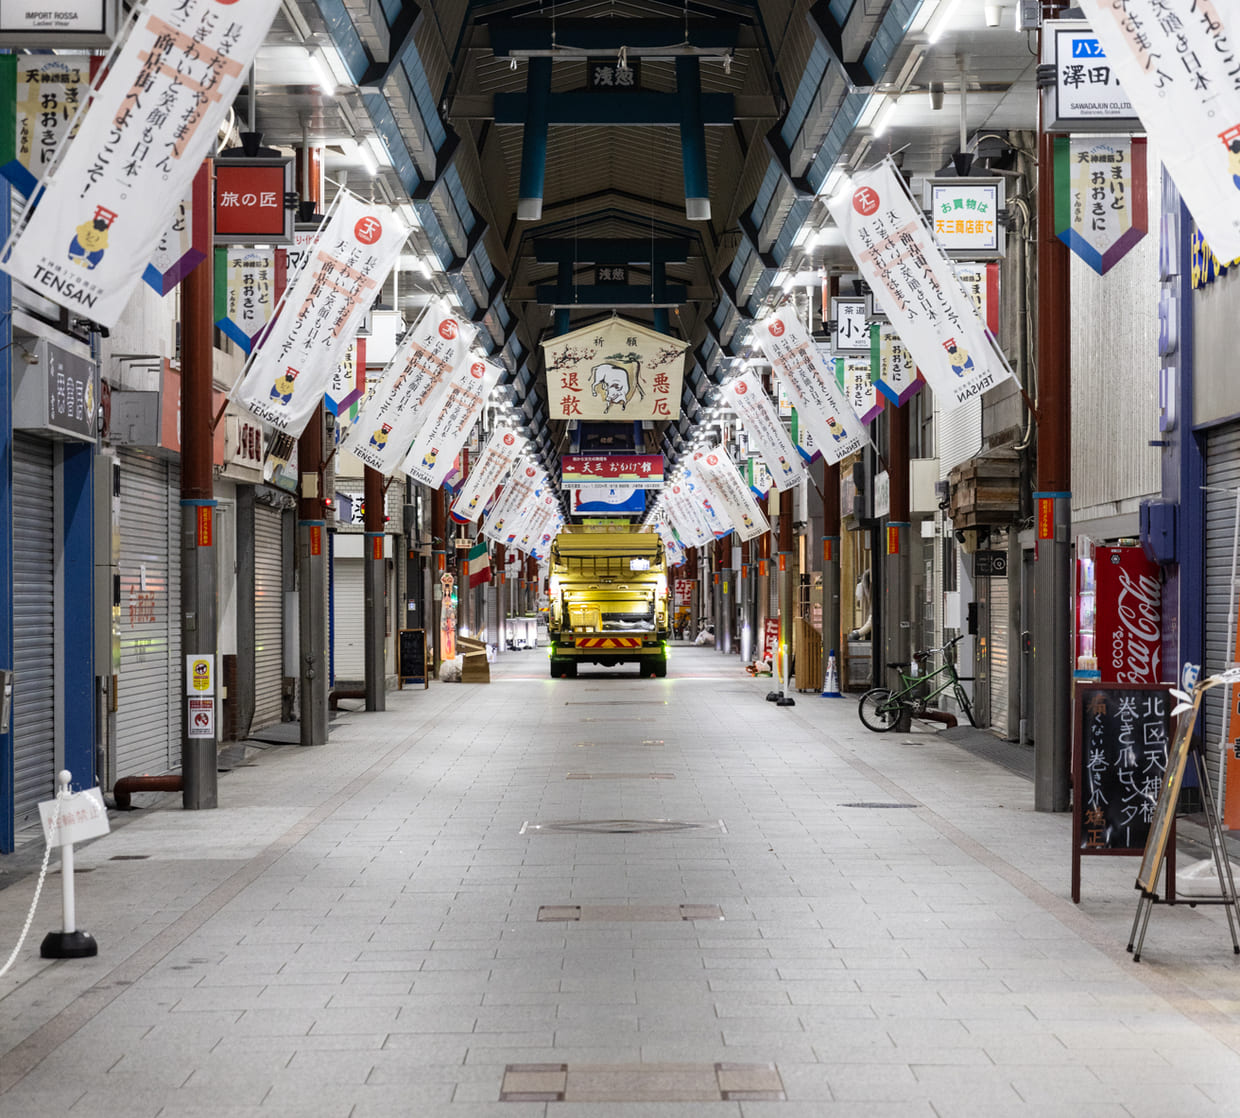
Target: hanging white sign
[854,374]
[498,458]
[810,383]
[766,434]
[407,390]
[1177,63]
[702,495]
[518,492]
[891,365]
[731,492]
[116,185]
[686,516]
[287,376]
[915,284]
[456,410]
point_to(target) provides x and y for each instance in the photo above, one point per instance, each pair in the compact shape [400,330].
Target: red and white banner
[637,471]
[1128,616]
[767,436]
[454,411]
[730,493]
[525,479]
[404,395]
[686,516]
[288,374]
[809,380]
[115,186]
[915,285]
[497,459]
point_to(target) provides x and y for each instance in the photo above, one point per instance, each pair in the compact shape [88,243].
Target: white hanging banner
[1177,63]
[766,434]
[518,492]
[809,380]
[863,395]
[115,186]
[717,471]
[891,366]
[405,395]
[703,498]
[535,531]
[498,458]
[288,374]
[683,514]
[916,286]
[457,408]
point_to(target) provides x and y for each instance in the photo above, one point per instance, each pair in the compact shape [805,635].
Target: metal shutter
[1000,667]
[1222,470]
[148,717]
[268,616]
[34,627]
[348,620]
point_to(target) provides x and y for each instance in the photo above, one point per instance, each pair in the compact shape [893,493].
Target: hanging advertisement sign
[803,438]
[810,382]
[915,285]
[964,214]
[604,500]
[518,492]
[686,516]
[40,95]
[981,284]
[501,454]
[891,365]
[1179,73]
[184,244]
[58,23]
[759,478]
[453,414]
[116,185]
[249,201]
[642,471]
[1086,95]
[717,471]
[348,383]
[852,333]
[853,374]
[618,370]
[287,376]
[247,282]
[406,391]
[1100,197]
[767,436]
[702,495]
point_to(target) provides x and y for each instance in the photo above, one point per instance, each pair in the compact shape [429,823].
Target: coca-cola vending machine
[1127,616]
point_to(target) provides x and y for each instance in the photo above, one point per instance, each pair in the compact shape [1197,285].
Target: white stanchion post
[68,943]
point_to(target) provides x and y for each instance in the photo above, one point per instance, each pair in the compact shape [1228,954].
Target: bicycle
[882,709]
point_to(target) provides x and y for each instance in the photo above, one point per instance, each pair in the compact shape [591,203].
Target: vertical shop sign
[891,365]
[40,94]
[456,410]
[1100,197]
[246,291]
[498,458]
[854,376]
[114,187]
[756,411]
[1046,518]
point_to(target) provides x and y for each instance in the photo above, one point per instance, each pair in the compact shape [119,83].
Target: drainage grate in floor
[620,776]
[129,858]
[618,703]
[866,803]
[641,1083]
[618,827]
[627,913]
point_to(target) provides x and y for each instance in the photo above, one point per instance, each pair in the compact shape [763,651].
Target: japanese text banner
[407,390]
[766,434]
[683,516]
[288,374]
[114,188]
[246,283]
[703,498]
[44,93]
[916,286]
[1177,62]
[498,458]
[457,409]
[518,493]
[717,471]
[810,382]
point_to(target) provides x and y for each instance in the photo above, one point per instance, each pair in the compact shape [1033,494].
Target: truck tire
[659,668]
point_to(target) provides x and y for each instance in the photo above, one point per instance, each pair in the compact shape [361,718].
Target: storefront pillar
[314,665]
[374,590]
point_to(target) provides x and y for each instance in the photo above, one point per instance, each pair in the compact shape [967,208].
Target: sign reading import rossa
[57,23]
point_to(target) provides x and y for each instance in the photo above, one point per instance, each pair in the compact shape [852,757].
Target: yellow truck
[609,602]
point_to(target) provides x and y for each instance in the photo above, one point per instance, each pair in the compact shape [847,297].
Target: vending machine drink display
[1086,661]
[1119,616]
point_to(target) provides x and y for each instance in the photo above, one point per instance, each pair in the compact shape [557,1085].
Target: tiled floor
[436,913]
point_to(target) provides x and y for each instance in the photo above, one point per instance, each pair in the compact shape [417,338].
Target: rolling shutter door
[1000,674]
[348,620]
[148,718]
[1223,471]
[268,616]
[34,627]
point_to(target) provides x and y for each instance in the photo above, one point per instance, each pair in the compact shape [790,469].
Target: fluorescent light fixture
[335,64]
[803,234]
[941,21]
[322,75]
[424,266]
[362,153]
[872,107]
[883,120]
[379,150]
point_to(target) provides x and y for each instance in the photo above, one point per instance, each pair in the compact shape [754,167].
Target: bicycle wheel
[877,710]
[962,697]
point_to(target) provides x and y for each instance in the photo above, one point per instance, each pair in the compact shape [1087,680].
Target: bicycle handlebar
[947,646]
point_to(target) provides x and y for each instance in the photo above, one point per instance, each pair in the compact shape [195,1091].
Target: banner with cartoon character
[518,493]
[288,374]
[456,409]
[1101,209]
[685,516]
[916,286]
[703,499]
[404,396]
[499,456]
[1177,64]
[809,381]
[617,370]
[717,471]
[113,188]
[40,94]
[767,436]
[537,523]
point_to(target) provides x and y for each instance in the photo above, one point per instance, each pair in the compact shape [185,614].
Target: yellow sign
[199,675]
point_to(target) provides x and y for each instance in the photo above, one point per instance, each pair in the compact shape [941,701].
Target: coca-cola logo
[1135,643]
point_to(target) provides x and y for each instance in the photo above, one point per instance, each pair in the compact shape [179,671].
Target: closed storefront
[34,627]
[148,731]
[268,615]
[1222,484]
[348,618]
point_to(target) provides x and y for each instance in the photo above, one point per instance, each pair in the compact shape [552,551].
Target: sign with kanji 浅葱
[112,192]
[249,201]
[964,214]
[636,471]
[1100,197]
[616,370]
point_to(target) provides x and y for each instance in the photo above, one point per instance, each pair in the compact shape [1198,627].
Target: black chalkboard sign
[411,657]
[1121,734]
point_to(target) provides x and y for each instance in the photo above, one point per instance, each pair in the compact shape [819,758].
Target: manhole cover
[878,805]
[617,827]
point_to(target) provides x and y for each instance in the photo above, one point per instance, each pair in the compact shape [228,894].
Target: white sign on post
[57,23]
[74,818]
[201,716]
